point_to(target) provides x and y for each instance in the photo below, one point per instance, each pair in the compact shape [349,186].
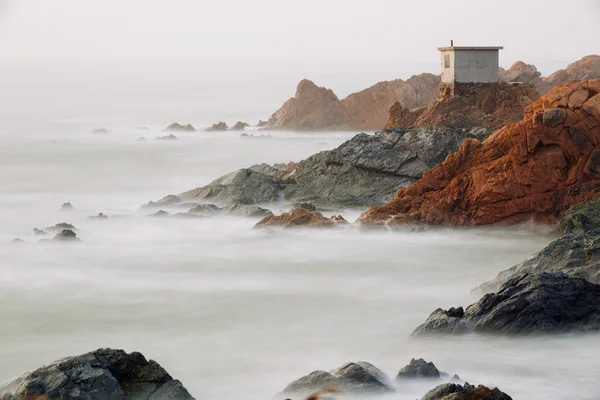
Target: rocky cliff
[318,108]
[467,106]
[532,170]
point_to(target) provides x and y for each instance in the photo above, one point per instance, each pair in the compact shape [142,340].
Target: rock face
[530,304]
[417,369]
[104,374]
[365,170]
[467,106]
[182,128]
[453,391]
[218,127]
[587,68]
[350,378]
[296,218]
[525,73]
[239,126]
[533,170]
[318,108]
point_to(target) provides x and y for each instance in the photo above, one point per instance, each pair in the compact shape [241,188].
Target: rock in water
[453,391]
[528,304]
[99,216]
[530,171]
[39,232]
[261,123]
[100,131]
[66,235]
[66,207]
[104,374]
[250,211]
[298,217]
[239,126]
[168,137]
[417,369]
[218,127]
[60,227]
[350,378]
[178,127]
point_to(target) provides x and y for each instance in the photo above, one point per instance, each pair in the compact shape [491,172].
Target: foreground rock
[350,378]
[181,128]
[453,391]
[467,106]
[365,170]
[318,108]
[530,171]
[296,218]
[218,127]
[104,374]
[526,304]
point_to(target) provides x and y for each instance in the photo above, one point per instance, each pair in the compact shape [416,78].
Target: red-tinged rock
[338,219]
[529,171]
[296,218]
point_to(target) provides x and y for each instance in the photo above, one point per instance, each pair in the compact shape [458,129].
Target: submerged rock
[218,127]
[66,207]
[100,131]
[104,374]
[159,213]
[350,378]
[418,369]
[526,304]
[99,216]
[240,126]
[453,391]
[178,127]
[298,217]
[66,235]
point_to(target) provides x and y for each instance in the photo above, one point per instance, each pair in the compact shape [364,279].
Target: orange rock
[531,170]
[298,217]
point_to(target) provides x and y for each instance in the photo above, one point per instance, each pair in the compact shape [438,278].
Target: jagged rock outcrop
[218,127]
[467,106]
[104,374]
[66,235]
[533,170]
[529,304]
[418,369]
[587,68]
[351,378]
[521,72]
[318,108]
[59,227]
[239,126]
[296,218]
[365,170]
[182,128]
[453,391]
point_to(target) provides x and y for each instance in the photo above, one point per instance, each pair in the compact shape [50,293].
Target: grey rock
[453,391]
[575,255]
[247,211]
[60,227]
[17,241]
[66,235]
[178,127]
[39,232]
[418,369]
[168,137]
[581,218]
[104,374]
[66,207]
[534,304]
[166,201]
[444,321]
[205,209]
[159,213]
[99,216]
[351,378]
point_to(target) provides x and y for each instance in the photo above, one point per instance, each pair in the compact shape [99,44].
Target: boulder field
[533,170]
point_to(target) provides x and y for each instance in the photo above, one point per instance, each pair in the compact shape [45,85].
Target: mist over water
[231,311]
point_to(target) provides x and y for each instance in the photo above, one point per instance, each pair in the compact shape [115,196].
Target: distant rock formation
[218,127]
[467,106]
[261,123]
[533,170]
[182,128]
[168,137]
[100,131]
[239,126]
[585,69]
[318,108]
[297,218]
[520,72]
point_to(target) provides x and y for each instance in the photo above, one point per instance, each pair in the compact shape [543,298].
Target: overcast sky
[220,59]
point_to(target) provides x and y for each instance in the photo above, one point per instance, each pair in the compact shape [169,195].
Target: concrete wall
[447,73]
[476,66]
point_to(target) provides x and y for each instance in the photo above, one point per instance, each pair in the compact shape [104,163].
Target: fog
[204,61]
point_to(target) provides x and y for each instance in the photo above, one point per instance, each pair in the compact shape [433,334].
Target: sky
[206,61]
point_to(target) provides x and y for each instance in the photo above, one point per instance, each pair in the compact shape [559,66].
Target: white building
[470,64]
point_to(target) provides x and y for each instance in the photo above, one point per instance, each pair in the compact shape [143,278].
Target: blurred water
[234,312]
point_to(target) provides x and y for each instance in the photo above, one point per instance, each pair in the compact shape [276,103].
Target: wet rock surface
[527,304]
[104,374]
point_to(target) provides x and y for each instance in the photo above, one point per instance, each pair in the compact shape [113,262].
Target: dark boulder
[60,227]
[418,369]
[104,374]
[453,391]
[66,207]
[66,235]
[531,304]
